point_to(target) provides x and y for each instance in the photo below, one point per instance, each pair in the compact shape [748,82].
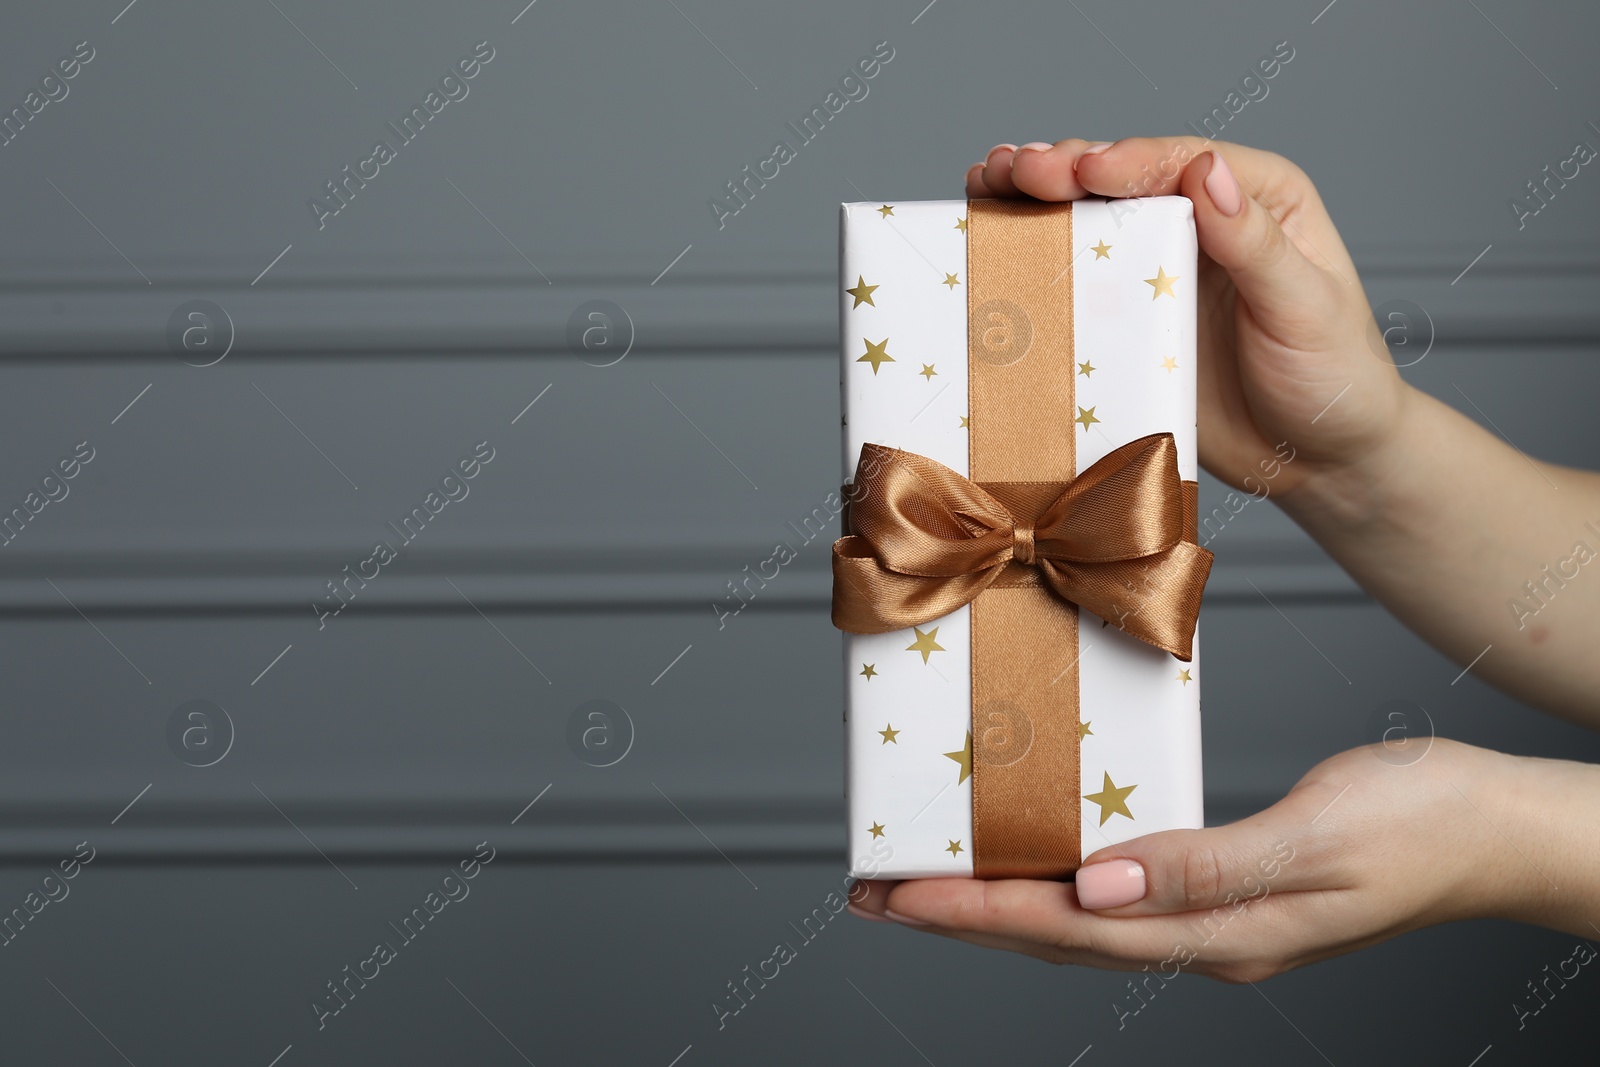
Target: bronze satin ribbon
[1030,535]
[925,540]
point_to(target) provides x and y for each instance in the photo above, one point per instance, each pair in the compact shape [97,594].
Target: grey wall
[427,315]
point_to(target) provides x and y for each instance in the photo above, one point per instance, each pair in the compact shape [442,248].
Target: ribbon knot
[1022,543]
[925,540]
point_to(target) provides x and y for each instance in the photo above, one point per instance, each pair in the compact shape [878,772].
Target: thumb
[1285,291]
[1191,870]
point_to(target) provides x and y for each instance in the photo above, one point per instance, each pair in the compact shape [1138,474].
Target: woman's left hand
[1368,845]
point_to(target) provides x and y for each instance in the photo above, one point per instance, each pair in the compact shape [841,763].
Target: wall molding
[1509,296]
[631,832]
[545,582]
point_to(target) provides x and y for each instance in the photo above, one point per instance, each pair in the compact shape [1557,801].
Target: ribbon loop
[925,540]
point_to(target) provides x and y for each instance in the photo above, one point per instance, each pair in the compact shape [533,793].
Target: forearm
[1473,545]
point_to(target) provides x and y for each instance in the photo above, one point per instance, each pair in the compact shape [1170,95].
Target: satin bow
[925,540]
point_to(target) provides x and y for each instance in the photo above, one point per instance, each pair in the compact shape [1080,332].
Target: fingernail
[996,148]
[903,919]
[863,913]
[1036,146]
[1109,884]
[1222,187]
[1096,149]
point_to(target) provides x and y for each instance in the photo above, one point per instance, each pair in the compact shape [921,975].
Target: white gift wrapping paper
[906,720]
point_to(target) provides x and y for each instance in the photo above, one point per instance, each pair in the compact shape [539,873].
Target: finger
[874,898]
[872,904]
[1153,166]
[1049,172]
[1044,920]
[1009,908]
[1284,289]
[1175,871]
[975,186]
[1047,953]
[1042,914]
[997,170]
[1250,949]
[1158,166]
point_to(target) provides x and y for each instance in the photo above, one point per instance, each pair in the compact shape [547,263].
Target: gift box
[1018,579]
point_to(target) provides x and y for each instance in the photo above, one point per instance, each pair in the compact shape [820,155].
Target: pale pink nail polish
[1096,149]
[1036,146]
[1222,187]
[1110,884]
[996,148]
[863,913]
[903,919]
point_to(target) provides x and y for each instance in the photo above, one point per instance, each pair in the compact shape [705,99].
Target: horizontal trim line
[120,588]
[191,273]
[636,835]
[1500,300]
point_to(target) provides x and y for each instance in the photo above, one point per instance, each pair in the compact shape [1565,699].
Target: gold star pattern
[1086,417]
[877,354]
[876,829]
[1162,283]
[1183,676]
[1113,800]
[925,643]
[951,281]
[1086,368]
[868,671]
[886,210]
[961,224]
[964,758]
[889,733]
[927,371]
[1084,731]
[862,292]
[954,847]
[966,423]
[1101,250]
[1169,364]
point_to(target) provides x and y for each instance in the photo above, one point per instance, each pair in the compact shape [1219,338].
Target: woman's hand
[1285,330]
[1438,519]
[1368,845]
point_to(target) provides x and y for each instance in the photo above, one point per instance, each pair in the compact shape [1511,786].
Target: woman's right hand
[1385,477]
[1288,350]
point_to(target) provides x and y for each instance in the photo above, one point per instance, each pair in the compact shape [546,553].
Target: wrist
[1470,814]
[1360,487]
[1542,863]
